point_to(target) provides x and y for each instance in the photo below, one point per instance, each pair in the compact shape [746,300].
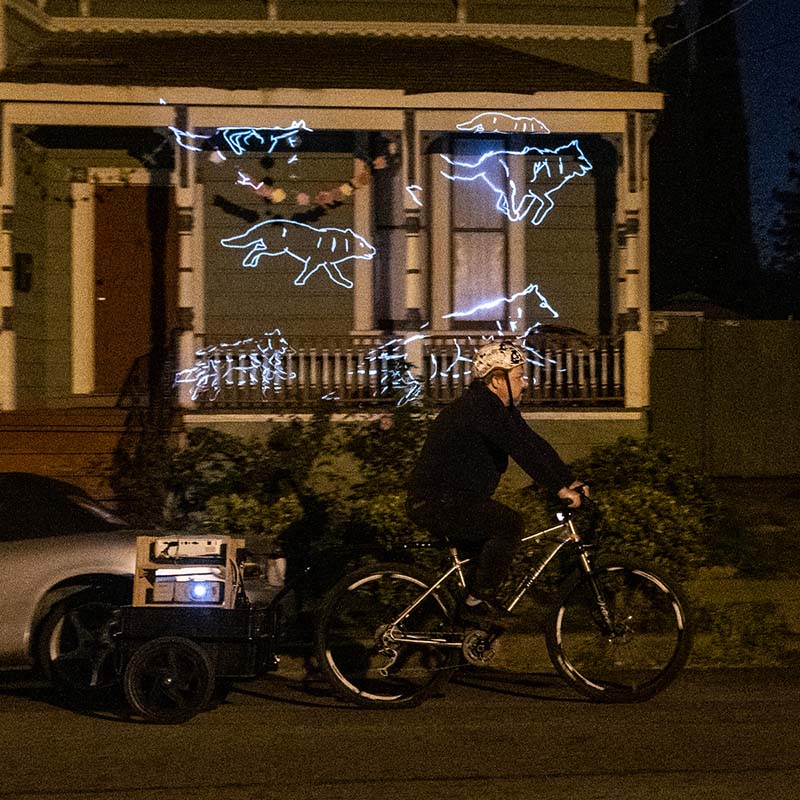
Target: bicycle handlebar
[585,499]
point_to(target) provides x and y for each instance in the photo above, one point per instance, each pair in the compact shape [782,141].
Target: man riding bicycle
[462,461]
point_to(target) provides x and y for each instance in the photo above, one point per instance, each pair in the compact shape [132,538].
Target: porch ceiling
[230,62]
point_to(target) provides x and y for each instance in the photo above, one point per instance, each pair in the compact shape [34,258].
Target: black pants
[494,527]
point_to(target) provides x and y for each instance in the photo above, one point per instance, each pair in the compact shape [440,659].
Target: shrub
[245,516]
[652,506]
[214,464]
[645,461]
[740,634]
[386,450]
[647,525]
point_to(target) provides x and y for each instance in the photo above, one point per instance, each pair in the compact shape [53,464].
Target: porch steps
[75,445]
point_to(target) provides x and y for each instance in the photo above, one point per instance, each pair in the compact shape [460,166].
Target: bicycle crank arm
[447,640]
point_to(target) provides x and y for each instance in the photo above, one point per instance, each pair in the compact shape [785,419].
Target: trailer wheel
[168,680]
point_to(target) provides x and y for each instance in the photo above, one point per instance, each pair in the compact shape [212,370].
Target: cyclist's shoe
[484,615]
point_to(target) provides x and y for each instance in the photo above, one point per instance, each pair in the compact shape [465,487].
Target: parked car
[66,566]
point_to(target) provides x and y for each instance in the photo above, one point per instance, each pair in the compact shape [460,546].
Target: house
[323,201]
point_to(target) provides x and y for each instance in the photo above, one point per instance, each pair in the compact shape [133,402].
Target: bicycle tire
[649,645]
[347,637]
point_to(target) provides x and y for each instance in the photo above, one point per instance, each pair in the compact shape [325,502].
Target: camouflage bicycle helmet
[496,355]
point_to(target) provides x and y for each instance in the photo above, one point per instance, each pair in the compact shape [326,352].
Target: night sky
[769,56]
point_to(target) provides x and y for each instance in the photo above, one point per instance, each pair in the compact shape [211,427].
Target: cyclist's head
[494,363]
[496,357]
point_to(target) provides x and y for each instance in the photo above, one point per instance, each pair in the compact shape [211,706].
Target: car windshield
[93,507]
[32,506]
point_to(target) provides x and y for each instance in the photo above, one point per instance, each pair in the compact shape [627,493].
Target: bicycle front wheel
[631,652]
[354,648]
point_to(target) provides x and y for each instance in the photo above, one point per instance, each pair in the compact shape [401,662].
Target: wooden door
[136,260]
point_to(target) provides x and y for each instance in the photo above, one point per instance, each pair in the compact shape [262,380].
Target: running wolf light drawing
[496,122]
[314,248]
[550,170]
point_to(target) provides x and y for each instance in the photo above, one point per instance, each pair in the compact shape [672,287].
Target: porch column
[441,301]
[634,303]
[363,271]
[83,287]
[411,173]
[517,277]
[640,50]
[8,340]
[190,266]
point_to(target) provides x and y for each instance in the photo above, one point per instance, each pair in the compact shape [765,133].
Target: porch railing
[272,373]
[561,370]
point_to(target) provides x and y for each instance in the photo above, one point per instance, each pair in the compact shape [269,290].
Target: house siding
[30,308]
[42,226]
[243,301]
[571,254]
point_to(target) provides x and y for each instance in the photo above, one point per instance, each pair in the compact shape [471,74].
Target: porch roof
[314,62]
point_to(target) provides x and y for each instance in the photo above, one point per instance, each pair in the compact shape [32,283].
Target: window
[480,247]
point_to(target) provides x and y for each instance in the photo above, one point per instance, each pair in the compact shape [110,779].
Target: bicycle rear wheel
[639,654]
[351,643]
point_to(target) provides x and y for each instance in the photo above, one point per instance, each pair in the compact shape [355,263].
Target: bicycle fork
[597,593]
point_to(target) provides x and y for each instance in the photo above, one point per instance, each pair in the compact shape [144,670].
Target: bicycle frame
[566,532]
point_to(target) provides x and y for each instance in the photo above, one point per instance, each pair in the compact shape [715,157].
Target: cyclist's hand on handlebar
[574,494]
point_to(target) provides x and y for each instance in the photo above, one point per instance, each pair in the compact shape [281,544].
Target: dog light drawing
[245,180]
[390,362]
[190,141]
[551,170]
[248,362]
[497,122]
[414,192]
[239,138]
[314,248]
[451,368]
[498,301]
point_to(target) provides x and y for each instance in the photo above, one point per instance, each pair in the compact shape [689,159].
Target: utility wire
[709,24]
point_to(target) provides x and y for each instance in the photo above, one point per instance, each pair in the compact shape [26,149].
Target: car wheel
[77,650]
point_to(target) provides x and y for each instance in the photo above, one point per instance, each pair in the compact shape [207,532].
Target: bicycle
[387,635]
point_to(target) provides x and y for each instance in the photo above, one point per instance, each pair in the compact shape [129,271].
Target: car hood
[32,562]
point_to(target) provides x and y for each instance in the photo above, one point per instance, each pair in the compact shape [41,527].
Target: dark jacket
[468,448]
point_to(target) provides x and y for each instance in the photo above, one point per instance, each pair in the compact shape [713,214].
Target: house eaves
[317,63]
[260,26]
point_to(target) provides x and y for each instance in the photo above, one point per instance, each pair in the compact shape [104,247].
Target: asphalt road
[713,735]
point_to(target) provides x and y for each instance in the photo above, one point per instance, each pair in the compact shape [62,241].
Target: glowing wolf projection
[551,170]
[495,122]
[253,362]
[498,301]
[314,248]
[239,138]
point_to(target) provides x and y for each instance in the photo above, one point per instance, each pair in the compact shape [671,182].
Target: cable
[709,24]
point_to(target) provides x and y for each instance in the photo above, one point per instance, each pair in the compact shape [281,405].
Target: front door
[136,267]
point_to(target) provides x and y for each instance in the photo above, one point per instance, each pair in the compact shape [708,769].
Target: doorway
[135,284]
